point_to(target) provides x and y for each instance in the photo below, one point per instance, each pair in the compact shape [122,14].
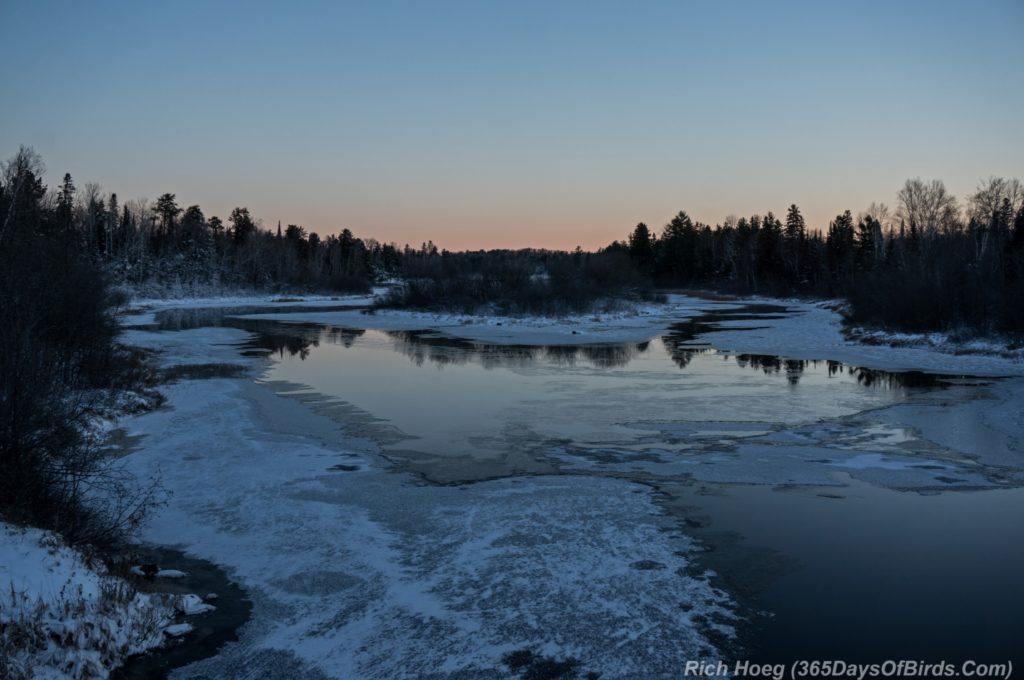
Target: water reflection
[682,355]
[293,339]
[423,346]
[793,369]
[427,347]
[681,338]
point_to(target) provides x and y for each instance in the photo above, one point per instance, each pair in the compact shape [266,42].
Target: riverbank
[65,615]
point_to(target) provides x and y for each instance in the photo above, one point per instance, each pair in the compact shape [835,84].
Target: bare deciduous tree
[988,198]
[927,206]
[25,166]
[881,213]
[992,208]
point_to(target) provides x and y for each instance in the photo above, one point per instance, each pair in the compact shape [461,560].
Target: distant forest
[162,247]
[930,264]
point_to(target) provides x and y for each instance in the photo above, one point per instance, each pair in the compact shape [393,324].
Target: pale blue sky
[482,124]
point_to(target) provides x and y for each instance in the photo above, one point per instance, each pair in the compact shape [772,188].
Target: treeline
[164,248]
[930,265]
[516,281]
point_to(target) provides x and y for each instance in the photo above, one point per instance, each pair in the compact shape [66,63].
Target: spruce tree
[641,249]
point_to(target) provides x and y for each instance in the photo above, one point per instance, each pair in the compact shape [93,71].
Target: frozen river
[405,502]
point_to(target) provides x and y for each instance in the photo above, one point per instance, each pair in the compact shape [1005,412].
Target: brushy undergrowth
[82,622]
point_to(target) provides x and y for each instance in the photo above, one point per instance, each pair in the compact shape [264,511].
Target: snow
[190,605]
[283,299]
[178,629]
[813,330]
[634,324]
[62,617]
[950,343]
[192,347]
[140,311]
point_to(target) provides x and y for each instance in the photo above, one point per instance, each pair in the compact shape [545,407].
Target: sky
[515,124]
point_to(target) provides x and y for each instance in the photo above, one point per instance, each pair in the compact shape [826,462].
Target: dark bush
[945,288]
[58,358]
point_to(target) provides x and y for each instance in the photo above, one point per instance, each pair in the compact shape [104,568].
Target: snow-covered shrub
[62,616]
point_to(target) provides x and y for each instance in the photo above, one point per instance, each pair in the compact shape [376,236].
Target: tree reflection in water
[422,347]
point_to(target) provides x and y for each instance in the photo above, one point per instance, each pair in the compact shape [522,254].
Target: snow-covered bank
[634,324]
[63,618]
[253,299]
[63,615]
[949,343]
[814,330]
[141,311]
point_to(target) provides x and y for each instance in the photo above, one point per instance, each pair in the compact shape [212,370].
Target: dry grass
[78,637]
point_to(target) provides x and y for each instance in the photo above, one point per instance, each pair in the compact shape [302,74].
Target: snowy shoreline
[65,616]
